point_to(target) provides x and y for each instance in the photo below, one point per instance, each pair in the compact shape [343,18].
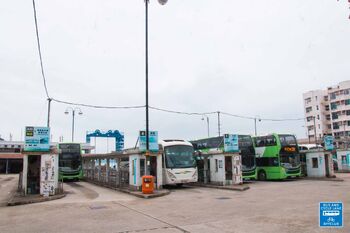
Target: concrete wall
[343,158]
[320,170]
[49,174]
[217,169]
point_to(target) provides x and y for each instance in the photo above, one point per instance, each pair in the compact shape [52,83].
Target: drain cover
[98,207]
[223,198]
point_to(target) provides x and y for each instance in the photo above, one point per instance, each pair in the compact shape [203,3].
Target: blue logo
[331,214]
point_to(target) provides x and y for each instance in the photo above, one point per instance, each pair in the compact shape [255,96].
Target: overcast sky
[252,58]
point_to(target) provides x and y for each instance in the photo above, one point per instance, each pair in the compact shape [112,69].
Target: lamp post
[207,123]
[255,130]
[73,116]
[162,2]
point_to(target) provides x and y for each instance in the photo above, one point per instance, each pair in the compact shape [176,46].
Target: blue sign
[37,139]
[328,143]
[153,141]
[231,143]
[119,137]
[331,214]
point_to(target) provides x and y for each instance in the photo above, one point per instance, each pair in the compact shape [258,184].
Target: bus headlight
[171,175]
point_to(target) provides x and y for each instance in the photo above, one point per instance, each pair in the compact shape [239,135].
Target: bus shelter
[122,169]
[219,168]
[319,163]
[40,173]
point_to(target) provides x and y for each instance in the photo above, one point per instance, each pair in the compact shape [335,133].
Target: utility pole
[219,123]
[148,161]
[48,111]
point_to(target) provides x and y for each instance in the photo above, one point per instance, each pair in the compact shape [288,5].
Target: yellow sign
[290,149]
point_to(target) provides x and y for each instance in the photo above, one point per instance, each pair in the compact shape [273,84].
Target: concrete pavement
[285,206]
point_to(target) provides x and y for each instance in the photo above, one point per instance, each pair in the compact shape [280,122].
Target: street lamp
[255,124]
[73,116]
[207,123]
[162,2]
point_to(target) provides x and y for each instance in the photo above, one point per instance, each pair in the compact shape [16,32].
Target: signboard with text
[37,139]
[231,143]
[328,143]
[153,141]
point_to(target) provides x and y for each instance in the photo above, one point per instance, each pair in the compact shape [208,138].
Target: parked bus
[277,156]
[179,165]
[246,147]
[70,161]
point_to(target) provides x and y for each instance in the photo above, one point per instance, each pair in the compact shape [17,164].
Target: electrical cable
[97,106]
[179,112]
[39,50]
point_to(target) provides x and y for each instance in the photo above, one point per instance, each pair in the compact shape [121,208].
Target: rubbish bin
[147,184]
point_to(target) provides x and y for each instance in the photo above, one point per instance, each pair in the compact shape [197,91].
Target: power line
[98,106]
[180,112]
[39,50]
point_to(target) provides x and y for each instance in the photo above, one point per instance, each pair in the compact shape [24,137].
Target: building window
[308,109]
[319,126]
[333,106]
[318,117]
[327,107]
[334,115]
[308,100]
[347,102]
[308,119]
[335,125]
[326,98]
[346,92]
[316,107]
[316,98]
[333,96]
[314,162]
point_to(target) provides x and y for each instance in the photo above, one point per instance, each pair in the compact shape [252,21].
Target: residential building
[327,112]
[316,109]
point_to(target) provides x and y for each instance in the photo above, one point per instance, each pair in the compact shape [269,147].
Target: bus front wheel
[262,175]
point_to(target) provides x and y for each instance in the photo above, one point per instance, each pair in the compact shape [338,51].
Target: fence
[109,172]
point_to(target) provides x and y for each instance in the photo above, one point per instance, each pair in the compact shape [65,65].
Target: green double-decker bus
[70,161]
[277,157]
[246,147]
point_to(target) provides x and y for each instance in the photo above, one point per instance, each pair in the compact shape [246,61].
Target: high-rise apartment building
[327,112]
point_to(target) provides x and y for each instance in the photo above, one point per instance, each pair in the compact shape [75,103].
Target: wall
[219,175]
[343,165]
[49,174]
[320,171]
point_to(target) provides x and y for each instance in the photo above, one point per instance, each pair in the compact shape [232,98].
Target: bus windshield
[247,151]
[70,161]
[179,156]
[290,160]
[287,140]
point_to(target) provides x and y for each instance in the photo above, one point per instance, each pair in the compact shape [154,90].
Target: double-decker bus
[70,161]
[178,163]
[246,147]
[277,156]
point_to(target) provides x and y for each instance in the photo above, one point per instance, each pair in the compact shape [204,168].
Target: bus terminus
[277,156]
[246,147]
[179,165]
[70,160]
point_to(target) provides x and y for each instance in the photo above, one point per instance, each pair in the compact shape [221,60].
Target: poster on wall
[231,143]
[328,143]
[37,139]
[153,141]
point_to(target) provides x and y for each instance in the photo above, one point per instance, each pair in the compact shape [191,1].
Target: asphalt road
[286,206]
